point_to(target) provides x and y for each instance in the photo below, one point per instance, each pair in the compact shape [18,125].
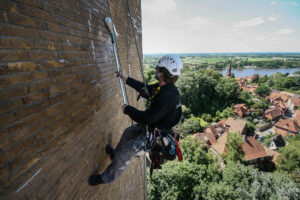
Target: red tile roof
[252,149]
[288,125]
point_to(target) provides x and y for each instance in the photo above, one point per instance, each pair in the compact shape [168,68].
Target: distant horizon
[212,53]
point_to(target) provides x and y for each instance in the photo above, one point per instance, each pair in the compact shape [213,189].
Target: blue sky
[203,26]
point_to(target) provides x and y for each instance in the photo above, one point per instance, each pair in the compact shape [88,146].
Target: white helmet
[172,63]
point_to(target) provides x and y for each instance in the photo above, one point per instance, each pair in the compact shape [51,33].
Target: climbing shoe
[110,151]
[95,180]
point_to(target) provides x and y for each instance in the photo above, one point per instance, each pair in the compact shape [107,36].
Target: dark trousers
[131,144]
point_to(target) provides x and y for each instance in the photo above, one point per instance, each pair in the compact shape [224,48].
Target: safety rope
[145,89]
[137,47]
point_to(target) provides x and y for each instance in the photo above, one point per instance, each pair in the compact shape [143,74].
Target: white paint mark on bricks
[96,10]
[89,23]
[29,180]
[93,48]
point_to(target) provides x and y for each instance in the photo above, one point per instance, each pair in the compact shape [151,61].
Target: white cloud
[271,18]
[292,3]
[197,22]
[249,23]
[273,3]
[158,7]
[285,31]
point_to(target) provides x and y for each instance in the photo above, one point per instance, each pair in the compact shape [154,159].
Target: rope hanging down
[137,48]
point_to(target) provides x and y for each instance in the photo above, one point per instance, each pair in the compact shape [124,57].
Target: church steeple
[228,73]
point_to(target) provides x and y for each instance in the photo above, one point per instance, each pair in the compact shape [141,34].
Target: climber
[163,113]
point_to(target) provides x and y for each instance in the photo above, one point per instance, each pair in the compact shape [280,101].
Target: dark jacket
[164,111]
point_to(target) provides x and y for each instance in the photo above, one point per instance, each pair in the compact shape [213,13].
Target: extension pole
[111,28]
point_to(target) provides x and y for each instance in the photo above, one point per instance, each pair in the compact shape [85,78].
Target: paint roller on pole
[114,36]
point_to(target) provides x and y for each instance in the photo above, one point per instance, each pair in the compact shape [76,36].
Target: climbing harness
[164,146]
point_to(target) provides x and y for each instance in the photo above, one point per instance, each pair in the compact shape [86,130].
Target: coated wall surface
[60,102]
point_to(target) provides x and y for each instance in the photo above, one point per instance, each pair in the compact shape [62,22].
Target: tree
[255,78]
[228,88]
[191,125]
[234,148]
[263,90]
[193,151]
[289,159]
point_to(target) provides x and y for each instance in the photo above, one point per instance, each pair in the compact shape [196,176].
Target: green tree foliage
[198,89]
[289,159]
[255,78]
[234,148]
[191,125]
[227,112]
[193,151]
[188,180]
[227,89]
[263,90]
[149,74]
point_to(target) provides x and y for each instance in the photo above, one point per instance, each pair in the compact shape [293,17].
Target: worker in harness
[163,113]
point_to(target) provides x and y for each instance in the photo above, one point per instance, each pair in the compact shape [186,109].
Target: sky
[220,26]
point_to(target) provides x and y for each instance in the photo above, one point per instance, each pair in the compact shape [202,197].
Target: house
[277,97]
[294,102]
[277,142]
[249,88]
[202,138]
[273,113]
[287,127]
[272,154]
[240,109]
[220,146]
[211,134]
[236,125]
[254,151]
[297,117]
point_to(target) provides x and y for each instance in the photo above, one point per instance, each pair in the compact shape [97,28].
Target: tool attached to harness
[164,146]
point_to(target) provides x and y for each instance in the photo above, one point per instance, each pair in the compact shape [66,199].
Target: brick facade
[59,101]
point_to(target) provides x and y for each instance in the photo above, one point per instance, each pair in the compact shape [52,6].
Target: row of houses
[215,138]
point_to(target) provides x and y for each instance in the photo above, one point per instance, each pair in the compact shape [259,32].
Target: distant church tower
[228,73]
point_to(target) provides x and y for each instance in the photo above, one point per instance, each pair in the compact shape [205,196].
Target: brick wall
[59,101]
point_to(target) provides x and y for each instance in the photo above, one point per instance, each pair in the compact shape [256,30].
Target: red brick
[3,134]
[26,21]
[35,3]
[8,5]
[10,55]
[8,106]
[12,92]
[21,125]
[31,109]
[37,85]
[53,64]
[12,30]
[53,36]
[21,66]
[6,119]
[42,55]
[12,43]
[35,12]
[15,79]
[3,16]
[47,45]
[38,75]
[32,97]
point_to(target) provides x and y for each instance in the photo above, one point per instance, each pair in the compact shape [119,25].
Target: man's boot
[95,180]
[110,151]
